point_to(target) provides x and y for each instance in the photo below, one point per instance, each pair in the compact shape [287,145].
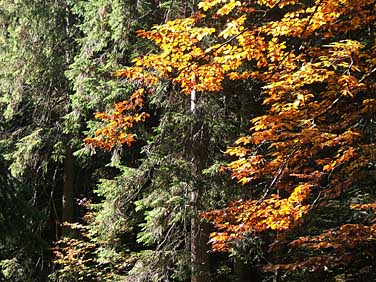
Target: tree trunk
[244,272]
[240,271]
[199,230]
[68,192]
[199,246]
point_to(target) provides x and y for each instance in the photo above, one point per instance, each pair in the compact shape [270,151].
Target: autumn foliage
[123,117]
[316,60]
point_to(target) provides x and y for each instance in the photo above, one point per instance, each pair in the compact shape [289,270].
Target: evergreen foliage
[21,245]
[36,46]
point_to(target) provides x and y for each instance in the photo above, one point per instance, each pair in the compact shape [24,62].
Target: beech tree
[312,151]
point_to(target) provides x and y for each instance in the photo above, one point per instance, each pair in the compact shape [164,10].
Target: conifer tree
[185,142]
[36,49]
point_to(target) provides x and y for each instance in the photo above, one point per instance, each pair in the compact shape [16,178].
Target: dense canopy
[223,141]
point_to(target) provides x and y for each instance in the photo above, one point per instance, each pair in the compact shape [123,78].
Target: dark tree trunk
[199,246]
[68,192]
[199,229]
[245,272]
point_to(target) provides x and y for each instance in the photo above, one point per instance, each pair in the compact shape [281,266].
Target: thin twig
[278,176]
[315,201]
[328,108]
[300,39]
[367,75]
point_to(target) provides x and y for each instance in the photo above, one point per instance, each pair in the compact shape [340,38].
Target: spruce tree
[36,48]
[149,213]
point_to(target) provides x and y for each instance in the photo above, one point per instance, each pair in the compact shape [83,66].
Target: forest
[188,140]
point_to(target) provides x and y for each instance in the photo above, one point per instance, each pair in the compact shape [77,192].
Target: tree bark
[245,273]
[68,191]
[199,247]
[199,229]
